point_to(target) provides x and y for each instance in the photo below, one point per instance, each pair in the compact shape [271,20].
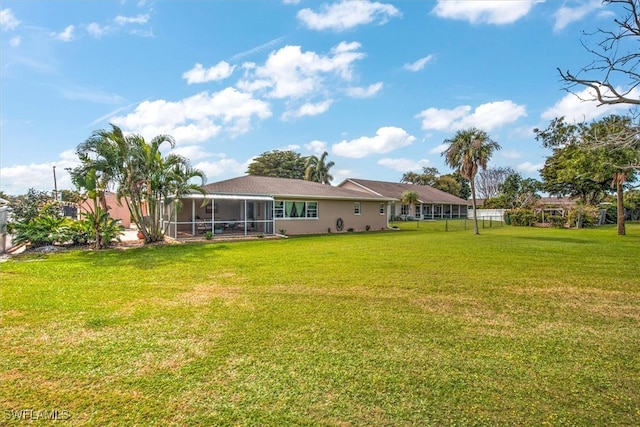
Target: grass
[516,326]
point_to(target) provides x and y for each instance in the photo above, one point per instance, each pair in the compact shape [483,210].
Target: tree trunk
[473,203]
[620,194]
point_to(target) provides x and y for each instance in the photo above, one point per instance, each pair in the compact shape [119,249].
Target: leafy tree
[616,59]
[144,178]
[449,184]
[470,150]
[588,159]
[429,176]
[279,164]
[465,187]
[317,169]
[28,206]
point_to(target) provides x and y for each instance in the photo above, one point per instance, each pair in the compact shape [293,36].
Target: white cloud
[19,179]
[222,168]
[309,109]
[124,20]
[566,15]
[192,152]
[498,12]
[364,92]
[15,41]
[419,64]
[66,35]
[96,30]
[347,14]
[403,165]
[489,116]
[386,139]
[196,118]
[291,73]
[529,167]
[316,146]
[438,149]
[582,106]
[8,21]
[198,74]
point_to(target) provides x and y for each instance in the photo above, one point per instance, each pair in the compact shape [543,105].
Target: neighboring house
[116,210]
[250,205]
[432,203]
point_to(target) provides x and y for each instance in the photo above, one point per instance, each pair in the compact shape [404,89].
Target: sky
[379,85]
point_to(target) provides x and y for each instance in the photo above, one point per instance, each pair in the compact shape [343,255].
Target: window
[312,209]
[356,208]
[381,208]
[404,210]
[295,209]
[278,209]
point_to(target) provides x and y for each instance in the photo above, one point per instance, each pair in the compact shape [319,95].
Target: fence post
[446,225]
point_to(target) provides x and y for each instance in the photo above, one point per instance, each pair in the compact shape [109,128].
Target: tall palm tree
[317,169]
[469,150]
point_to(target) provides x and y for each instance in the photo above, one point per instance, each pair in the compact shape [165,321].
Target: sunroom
[222,215]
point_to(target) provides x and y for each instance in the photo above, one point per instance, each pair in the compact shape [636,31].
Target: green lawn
[516,326]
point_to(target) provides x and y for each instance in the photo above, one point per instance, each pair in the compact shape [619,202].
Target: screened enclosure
[220,215]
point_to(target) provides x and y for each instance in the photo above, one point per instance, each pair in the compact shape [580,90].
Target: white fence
[493,214]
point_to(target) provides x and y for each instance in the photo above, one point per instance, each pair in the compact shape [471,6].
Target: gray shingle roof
[284,187]
[425,193]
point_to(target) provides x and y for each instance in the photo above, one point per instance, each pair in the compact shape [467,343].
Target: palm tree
[470,150]
[410,198]
[143,177]
[317,169]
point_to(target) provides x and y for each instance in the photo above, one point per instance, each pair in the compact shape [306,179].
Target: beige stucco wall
[328,213]
[115,210]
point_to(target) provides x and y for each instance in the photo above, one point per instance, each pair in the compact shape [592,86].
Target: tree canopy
[278,164]
[449,183]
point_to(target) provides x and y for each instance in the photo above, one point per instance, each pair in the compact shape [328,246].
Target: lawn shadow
[557,239]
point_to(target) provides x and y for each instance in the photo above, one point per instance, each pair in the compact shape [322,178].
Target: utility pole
[55,185]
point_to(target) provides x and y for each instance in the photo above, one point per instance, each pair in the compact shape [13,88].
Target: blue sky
[379,85]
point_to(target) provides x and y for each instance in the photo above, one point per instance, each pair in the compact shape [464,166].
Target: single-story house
[432,203]
[251,205]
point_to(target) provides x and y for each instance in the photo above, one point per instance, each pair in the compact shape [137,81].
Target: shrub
[520,217]
[557,221]
[583,216]
[208,235]
[41,231]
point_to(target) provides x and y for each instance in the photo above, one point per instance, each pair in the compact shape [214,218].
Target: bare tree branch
[616,63]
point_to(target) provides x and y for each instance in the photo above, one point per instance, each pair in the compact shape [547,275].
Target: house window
[356,208]
[381,208]
[295,209]
[312,209]
[278,209]
[404,210]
